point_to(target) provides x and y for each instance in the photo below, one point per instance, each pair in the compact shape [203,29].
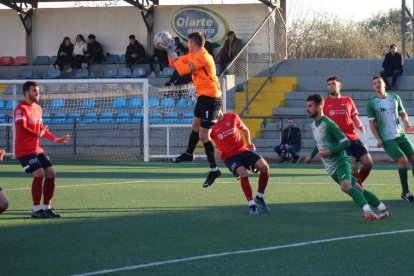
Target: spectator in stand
[176,79]
[94,52]
[79,50]
[135,52]
[159,57]
[208,45]
[232,46]
[291,140]
[64,54]
[393,66]
[180,48]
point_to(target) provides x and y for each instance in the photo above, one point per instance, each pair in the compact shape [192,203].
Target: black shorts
[246,159]
[357,149]
[1,189]
[32,162]
[207,110]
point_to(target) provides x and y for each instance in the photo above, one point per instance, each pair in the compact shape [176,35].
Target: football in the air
[161,39]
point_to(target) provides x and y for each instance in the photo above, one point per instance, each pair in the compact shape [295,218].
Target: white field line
[248,251]
[183,181]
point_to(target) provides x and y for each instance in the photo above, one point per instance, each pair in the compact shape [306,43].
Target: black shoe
[183,157]
[52,214]
[407,197]
[211,177]
[260,201]
[40,214]
[284,160]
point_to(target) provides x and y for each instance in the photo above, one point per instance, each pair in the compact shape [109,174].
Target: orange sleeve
[180,64]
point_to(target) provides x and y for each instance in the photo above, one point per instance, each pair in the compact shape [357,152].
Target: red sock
[2,210]
[263,179]
[48,190]
[37,190]
[363,174]
[356,175]
[247,189]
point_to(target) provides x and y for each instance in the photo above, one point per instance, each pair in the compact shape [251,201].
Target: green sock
[371,198]
[403,179]
[357,196]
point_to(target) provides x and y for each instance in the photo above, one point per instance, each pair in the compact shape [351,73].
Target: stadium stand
[109,72]
[42,60]
[52,73]
[119,103]
[138,73]
[123,73]
[167,72]
[26,73]
[20,60]
[110,59]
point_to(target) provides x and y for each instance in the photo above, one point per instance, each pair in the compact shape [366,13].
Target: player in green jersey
[331,143]
[384,111]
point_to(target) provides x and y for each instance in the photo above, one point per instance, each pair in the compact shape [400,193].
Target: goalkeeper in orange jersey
[201,65]
[4,201]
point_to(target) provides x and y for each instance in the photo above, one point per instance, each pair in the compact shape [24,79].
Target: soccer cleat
[369,215]
[211,177]
[407,197]
[52,214]
[385,213]
[253,209]
[261,202]
[183,157]
[40,214]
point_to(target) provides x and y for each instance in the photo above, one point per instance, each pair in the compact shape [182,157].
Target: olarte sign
[198,19]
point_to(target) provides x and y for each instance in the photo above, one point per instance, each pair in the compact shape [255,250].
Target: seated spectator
[64,54]
[135,52]
[79,50]
[393,66]
[291,140]
[232,46]
[180,49]
[159,57]
[94,52]
[176,79]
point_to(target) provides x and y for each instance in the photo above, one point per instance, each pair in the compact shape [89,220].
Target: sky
[353,10]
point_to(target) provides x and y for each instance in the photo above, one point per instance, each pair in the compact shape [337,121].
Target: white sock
[381,207]
[46,207]
[251,202]
[37,208]
[260,195]
[214,169]
[366,208]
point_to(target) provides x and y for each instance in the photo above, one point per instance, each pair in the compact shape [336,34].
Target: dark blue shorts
[246,159]
[32,162]
[357,149]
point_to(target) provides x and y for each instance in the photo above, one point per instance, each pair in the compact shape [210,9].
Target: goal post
[108,119]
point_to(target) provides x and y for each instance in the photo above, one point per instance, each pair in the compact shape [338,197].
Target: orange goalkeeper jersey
[201,66]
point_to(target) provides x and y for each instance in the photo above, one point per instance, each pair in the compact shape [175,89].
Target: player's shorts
[357,149]
[246,159]
[398,147]
[207,109]
[32,162]
[343,172]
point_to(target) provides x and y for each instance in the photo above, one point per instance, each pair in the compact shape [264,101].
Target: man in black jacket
[393,66]
[291,140]
[94,52]
[135,52]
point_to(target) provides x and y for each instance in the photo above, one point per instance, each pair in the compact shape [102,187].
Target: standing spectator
[4,201]
[29,129]
[64,54]
[94,52]
[232,46]
[135,52]
[393,66]
[290,143]
[79,50]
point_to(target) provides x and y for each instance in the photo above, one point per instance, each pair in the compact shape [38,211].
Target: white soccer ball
[162,39]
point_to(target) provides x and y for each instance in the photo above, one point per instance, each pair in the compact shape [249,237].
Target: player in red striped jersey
[29,129]
[240,157]
[342,110]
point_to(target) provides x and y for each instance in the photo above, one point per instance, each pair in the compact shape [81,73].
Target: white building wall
[12,34]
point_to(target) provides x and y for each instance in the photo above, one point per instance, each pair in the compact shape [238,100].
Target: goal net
[108,119]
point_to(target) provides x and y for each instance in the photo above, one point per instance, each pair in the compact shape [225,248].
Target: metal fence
[258,58]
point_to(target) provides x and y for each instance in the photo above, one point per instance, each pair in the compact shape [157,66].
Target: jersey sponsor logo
[337,112]
[199,19]
[226,133]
